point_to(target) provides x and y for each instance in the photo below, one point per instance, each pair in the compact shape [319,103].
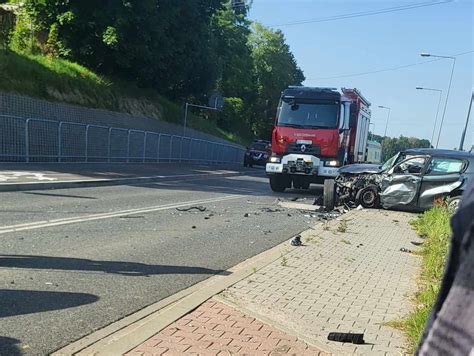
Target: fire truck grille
[303,149]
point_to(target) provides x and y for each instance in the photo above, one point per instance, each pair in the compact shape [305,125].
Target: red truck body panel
[327,139]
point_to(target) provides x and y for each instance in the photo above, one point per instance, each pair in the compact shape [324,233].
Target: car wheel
[329,194]
[368,197]
[278,183]
[453,203]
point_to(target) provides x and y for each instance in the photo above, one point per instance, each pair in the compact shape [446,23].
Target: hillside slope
[63,81]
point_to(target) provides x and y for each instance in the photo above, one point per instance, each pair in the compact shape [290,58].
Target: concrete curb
[122,336]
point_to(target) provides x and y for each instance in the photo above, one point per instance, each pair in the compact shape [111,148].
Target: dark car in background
[257,154]
[412,180]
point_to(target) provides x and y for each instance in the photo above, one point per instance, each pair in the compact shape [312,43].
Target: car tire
[329,194]
[278,183]
[453,203]
[368,197]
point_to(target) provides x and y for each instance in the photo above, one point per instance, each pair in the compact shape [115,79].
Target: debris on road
[199,207]
[403,249]
[193,227]
[297,199]
[319,200]
[346,337]
[271,210]
[296,241]
[246,215]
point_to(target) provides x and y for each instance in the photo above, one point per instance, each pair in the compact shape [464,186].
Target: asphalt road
[75,260]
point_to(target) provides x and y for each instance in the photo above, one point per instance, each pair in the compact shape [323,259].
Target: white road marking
[10,175]
[40,178]
[101,216]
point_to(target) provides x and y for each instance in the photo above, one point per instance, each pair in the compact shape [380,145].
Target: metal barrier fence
[38,140]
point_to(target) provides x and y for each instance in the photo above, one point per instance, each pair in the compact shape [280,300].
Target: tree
[391,146]
[163,44]
[275,68]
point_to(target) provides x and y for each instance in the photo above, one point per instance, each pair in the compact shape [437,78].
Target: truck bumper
[301,165]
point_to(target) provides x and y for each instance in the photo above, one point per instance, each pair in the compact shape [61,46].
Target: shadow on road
[9,346]
[80,264]
[18,302]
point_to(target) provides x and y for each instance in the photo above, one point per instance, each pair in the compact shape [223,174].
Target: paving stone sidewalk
[217,329]
[350,276]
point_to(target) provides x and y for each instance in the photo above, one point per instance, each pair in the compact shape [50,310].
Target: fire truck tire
[329,194]
[278,183]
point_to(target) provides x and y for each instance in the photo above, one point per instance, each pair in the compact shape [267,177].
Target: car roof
[440,152]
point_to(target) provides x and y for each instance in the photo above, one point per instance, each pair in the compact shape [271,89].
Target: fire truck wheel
[278,183]
[329,194]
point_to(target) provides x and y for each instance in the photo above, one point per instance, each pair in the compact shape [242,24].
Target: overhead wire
[387,69]
[362,13]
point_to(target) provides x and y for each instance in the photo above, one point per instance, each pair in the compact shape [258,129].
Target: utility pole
[463,136]
[449,88]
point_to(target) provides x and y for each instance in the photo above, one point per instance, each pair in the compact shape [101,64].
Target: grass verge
[434,227]
[60,80]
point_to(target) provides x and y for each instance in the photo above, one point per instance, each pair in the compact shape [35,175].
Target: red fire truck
[317,130]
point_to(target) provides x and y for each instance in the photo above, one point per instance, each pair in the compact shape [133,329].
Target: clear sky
[363,44]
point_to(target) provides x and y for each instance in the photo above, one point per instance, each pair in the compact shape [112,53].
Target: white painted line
[89,180]
[101,216]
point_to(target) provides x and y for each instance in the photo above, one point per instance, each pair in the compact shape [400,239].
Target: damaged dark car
[412,180]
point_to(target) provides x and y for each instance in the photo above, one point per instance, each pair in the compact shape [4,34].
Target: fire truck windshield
[308,115]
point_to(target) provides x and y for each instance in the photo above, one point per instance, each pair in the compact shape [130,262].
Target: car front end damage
[356,189]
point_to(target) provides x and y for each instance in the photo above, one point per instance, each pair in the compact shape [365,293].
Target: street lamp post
[437,110]
[373,131]
[388,117]
[461,145]
[447,93]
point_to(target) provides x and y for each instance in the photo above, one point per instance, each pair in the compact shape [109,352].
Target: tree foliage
[181,49]
[391,146]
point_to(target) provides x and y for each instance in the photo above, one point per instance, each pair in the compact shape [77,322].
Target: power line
[362,13]
[386,69]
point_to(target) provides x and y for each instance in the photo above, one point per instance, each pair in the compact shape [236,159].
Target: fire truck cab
[317,130]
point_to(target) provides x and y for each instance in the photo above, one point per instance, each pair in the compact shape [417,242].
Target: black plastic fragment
[347,337]
[296,241]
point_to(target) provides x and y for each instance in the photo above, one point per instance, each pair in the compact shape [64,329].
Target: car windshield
[308,115]
[389,163]
[259,146]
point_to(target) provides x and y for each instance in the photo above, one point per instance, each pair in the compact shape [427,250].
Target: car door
[401,184]
[442,176]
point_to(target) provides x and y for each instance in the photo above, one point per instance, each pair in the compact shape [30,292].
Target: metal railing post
[144,147]
[158,149]
[87,143]
[27,142]
[59,141]
[171,147]
[109,150]
[128,146]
